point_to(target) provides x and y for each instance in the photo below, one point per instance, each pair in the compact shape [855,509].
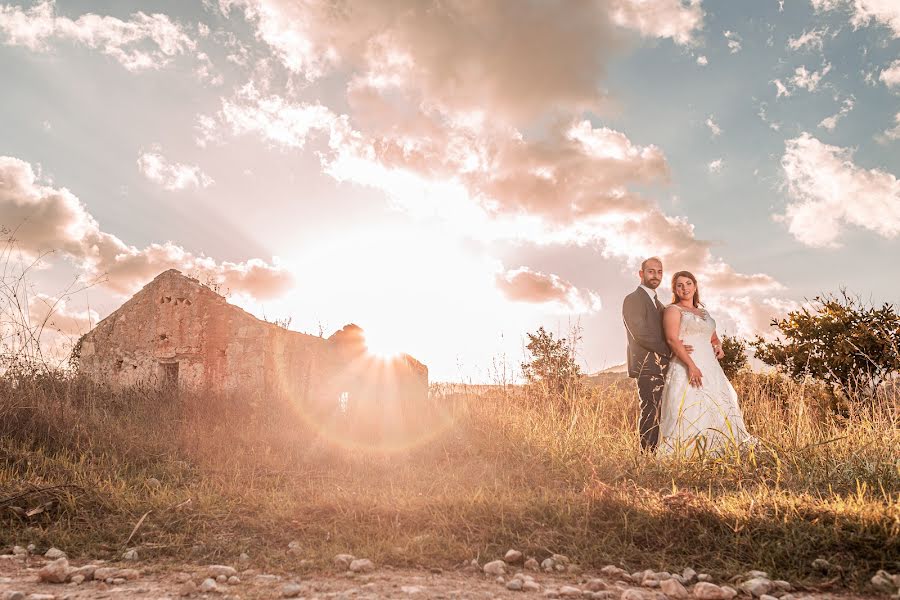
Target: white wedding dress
[704,420]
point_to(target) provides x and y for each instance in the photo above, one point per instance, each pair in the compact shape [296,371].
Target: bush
[552,365]
[735,358]
[838,340]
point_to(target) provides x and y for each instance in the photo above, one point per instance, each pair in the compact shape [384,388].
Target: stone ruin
[178,333]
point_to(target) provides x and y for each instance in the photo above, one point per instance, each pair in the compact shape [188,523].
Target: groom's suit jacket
[648,353]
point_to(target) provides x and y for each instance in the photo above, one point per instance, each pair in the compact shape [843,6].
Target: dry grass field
[466,475]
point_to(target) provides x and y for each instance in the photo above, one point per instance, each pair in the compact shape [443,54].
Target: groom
[648,353]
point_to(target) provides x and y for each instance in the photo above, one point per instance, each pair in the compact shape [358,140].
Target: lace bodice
[693,325]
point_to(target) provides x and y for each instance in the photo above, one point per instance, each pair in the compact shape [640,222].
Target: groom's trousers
[650,389]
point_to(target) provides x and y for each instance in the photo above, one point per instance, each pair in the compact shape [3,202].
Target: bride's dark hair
[689,275]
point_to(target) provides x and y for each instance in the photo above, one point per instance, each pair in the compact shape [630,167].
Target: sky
[451,175]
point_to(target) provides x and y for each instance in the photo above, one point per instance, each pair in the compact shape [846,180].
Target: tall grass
[467,474]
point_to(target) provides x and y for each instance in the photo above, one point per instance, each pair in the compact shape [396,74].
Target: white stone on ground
[77,579]
[40,597]
[632,594]
[704,577]
[547,564]
[188,588]
[130,574]
[689,575]
[209,585]
[342,561]
[767,597]
[884,582]
[513,556]
[216,570]
[673,589]
[54,553]
[14,595]
[596,585]
[291,590]
[532,565]
[495,567]
[362,565]
[757,586]
[130,555]
[412,589]
[709,591]
[515,585]
[234,580]
[55,572]
[570,591]
[530,585]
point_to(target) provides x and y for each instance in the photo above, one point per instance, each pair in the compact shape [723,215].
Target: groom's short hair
[646,260]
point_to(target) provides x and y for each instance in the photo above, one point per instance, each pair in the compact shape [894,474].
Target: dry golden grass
[466,475]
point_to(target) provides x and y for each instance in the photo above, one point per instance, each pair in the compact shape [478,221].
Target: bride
[699,408]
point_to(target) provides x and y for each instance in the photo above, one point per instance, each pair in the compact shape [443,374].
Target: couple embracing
[687,403]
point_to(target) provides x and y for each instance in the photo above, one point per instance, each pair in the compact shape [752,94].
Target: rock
[55,572]
[689,575]
[265,578]
[215,571]
[244,557]
[709,591]
[221,579]
[291,590]
[704,577]
[820,564]
[412,589]
[515,585]
[530,586]
[605,595]
[757,586]
[730,592]
[650,582]
[40,597]
[104,573]
[54,553]
[188,588]
[756,574]
[77,579]
[560,559]
[883,582]
[513,557]
[673,589]
[767,597]
[547,564]
[570,591]
[130,574]
[532,565]
[783,585]
[342,561]
[362,565]
[130,555]
[19,551]
[294,547]
[596,585]
[14,595]
[87,571]
[209,585]
[495,567]
[500,580]
[632,594]
[153,483]
[234,580]
[117,580]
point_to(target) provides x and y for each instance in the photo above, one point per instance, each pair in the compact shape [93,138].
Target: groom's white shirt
[651,293]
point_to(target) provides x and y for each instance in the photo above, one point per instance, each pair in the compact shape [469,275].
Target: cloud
[809,39]
[171,175]
[48,219]
[142,42]
[702,60]
[713,126]
[715,166]
[734,41]
[828,190]
[892,134]
[863,12]
[807,80]
[659,18]
[831,122]
[525,285]
[891,75]
[780,89]
[54,315]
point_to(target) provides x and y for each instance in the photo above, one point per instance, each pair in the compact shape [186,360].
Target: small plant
[552,364]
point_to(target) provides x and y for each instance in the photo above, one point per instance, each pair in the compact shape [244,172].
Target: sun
[382,345]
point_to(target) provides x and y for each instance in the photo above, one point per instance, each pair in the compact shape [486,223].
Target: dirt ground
[19,580]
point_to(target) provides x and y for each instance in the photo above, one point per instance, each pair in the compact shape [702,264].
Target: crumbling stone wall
[177,332]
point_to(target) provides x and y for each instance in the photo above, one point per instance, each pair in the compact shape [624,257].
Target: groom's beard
[652,284]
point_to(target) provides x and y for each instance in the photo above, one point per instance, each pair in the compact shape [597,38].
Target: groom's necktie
[658,304]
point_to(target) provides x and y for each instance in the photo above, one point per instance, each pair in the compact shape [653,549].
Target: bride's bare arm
[717,346]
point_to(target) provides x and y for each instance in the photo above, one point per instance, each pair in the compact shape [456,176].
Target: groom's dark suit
[648,358]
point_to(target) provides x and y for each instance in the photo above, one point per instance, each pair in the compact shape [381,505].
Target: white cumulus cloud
[828,190]
[890,75]
[864,12]
[171,175]
[713,126]
[526,285]
[831,122]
